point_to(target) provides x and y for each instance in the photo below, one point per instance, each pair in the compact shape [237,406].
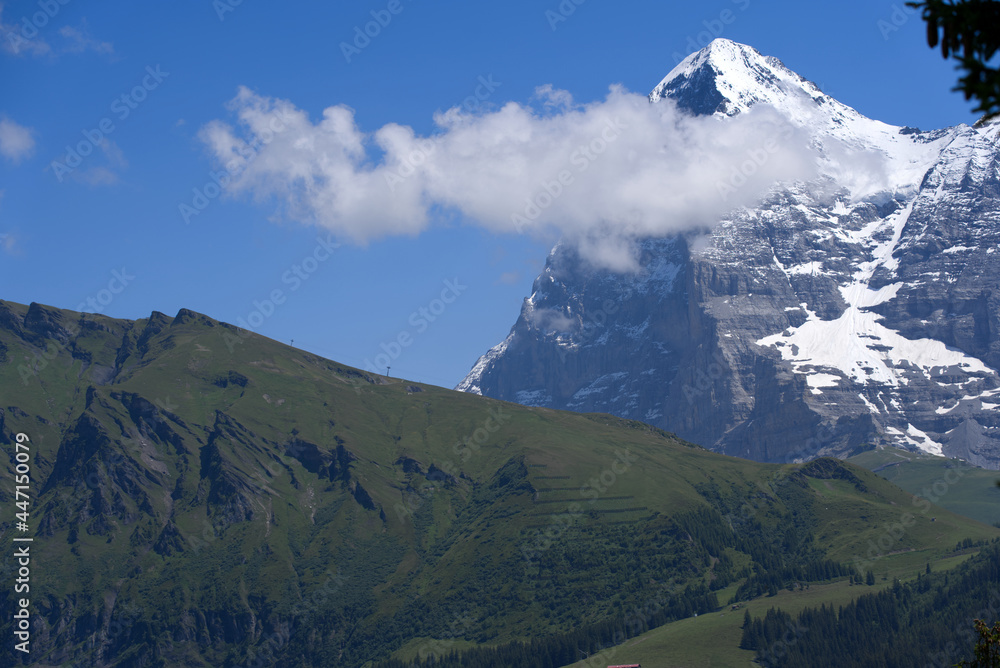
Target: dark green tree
[969,32]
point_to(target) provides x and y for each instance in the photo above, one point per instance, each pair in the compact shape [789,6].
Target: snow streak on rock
[860,306]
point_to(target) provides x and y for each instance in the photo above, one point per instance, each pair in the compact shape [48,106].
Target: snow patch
[533,398]
[871,407]
[599,385]
[807,268]
[921,440]
[856,343]
[818,380]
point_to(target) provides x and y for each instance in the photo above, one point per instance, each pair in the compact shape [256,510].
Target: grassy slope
[712,640]
[208,505]
[949,483]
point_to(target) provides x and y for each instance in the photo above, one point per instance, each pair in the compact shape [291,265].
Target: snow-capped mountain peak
[728,78]
[861,306]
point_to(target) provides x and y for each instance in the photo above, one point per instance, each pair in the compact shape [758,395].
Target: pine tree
[969,32]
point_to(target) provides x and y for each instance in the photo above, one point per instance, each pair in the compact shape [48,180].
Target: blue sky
[139,86]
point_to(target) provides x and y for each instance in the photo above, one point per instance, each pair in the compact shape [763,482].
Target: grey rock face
[826,318]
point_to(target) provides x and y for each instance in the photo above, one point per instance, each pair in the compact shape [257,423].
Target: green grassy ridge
[930,619]
[191,471]
[949,483]
[712,640]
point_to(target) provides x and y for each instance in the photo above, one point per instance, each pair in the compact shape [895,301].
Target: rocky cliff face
[859,307]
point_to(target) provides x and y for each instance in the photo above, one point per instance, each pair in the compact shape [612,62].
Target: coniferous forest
[928,622]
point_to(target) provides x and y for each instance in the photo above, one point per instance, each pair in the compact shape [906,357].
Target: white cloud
[107,174]
[25,37]
[552,97]
[509,278]
[79,40]
[551,320]
[97,176]
[600,174]
[13,38]
[16,141]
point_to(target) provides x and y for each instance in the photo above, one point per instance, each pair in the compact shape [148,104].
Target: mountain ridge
[859,307]
[198,503]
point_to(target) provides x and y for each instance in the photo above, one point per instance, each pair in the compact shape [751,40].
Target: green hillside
[714,639]
[203,496]
[949,483]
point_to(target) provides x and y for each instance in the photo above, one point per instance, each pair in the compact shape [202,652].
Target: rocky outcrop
[830,316]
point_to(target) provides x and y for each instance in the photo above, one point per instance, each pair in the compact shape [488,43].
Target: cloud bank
[26,35]
[600,174]
[16,141]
